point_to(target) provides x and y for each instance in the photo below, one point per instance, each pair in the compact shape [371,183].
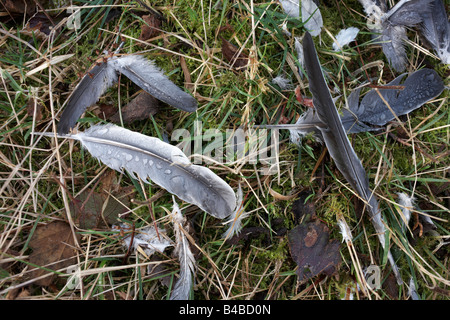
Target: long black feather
[104,74]
[337,141]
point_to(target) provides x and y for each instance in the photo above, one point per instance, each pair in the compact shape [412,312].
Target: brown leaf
[140,108]
[40,25]
[92,210]
[231,53]
[53,248]
[105,111]
[302,209]
[19,6]
[33,104]
[312,250]
[151,27]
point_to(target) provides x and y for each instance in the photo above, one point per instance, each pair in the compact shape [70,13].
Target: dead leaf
[151,27]
[93,210]
[105,111]
[231,53]
[187,75]
[40,25]
[140,108]
[53,248]
[312,250]
[302,209]
[33,104]
[19,6]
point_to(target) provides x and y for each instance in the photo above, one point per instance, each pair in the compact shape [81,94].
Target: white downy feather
[146,238]
[406,203]
[183,285]
[344,37]
[235,221]
[282,82]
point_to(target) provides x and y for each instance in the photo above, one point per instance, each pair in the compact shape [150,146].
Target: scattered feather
[235,220]
[105,73]
[146,238]
[420,87]
[300,56]
[344,37]
[338,144]
[436,30]
[291,8]
[412,290]
[153,160]
[345,230]
[282,82]
[391,26]
[406,203]
[183,285]
[311,17]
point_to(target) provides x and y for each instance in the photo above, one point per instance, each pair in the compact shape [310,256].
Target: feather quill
[153,160]
[182,287]
[104,74]
[338,144]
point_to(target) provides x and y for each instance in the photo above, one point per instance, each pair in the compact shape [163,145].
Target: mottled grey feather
[86,93]
[103,75]
[436,30]
[337,142]
[150,78]
[153,160]
[420,87]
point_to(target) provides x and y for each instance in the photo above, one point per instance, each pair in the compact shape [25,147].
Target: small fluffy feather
[182,287]
[406,203]
[345,230]
[282,82]
[235,221]
[147,239]
[344,37]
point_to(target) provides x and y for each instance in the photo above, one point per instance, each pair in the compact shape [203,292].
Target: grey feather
[93,85]
[104,74]
[311,17]
[420,87]
[436,30]
[150,78]
[183,285]
[337,142]
[390,25]
[153,160]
